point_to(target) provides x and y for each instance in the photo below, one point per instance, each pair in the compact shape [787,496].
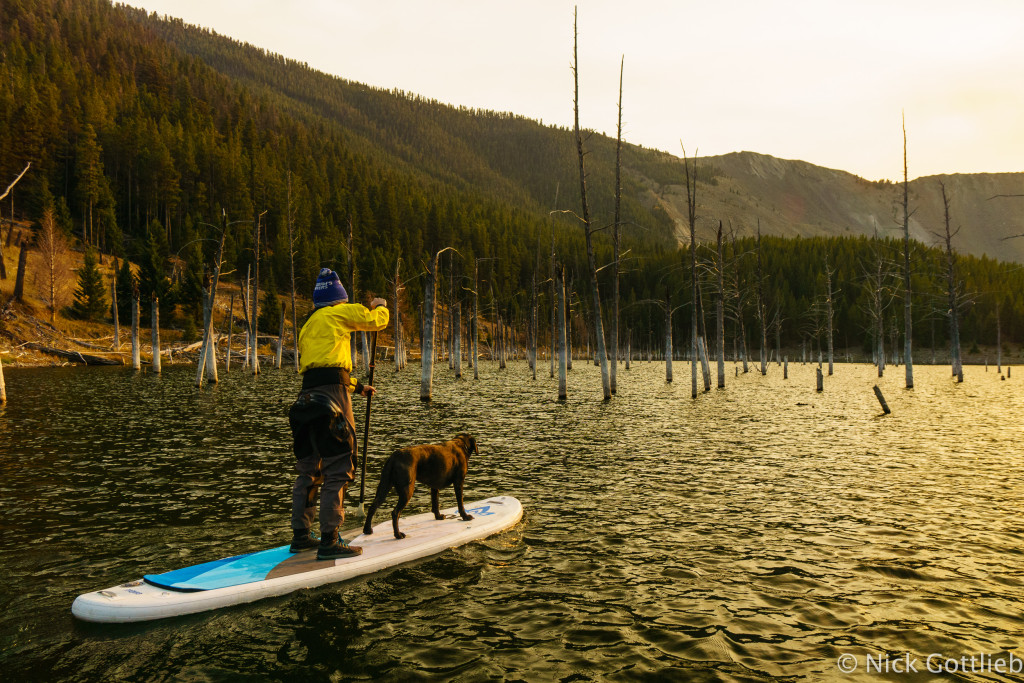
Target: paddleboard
[245,578]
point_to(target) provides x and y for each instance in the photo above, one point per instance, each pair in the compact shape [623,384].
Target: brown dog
[436,465]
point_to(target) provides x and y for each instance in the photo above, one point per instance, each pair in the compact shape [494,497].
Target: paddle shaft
[366,426]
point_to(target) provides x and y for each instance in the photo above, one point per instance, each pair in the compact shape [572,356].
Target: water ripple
[756,533]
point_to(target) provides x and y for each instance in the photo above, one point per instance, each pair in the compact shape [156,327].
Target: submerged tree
[691,214]
[429,315]
[588,230]
[908,358]
[615,241]
[951,292]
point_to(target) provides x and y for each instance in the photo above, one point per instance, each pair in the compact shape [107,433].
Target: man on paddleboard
[323,426]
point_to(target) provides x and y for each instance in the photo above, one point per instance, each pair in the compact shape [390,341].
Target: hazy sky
[820,80]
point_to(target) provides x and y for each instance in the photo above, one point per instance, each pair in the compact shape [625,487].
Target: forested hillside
[147,136]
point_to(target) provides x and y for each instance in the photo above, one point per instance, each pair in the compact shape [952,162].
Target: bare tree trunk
[743,328]
[450,345]
[908,320]
[691,204]
[720,312]
[629,347]
[999,342]
[668,336]
[762,311]
[19,280]
[592,270]
[457,344]
[113,308]
[702,344]
[291,266]
[562,345]
[246,299]
[210,297]
[554,306]
[615,241]
[155,329]
[397,316]
[829,313]
[476,319]
[429,313]
[568,320]
[3,384]
[11,187]
[951,287]
[231,331]
[280,339]
[880,331]
[533,321]
[254,336]
[211,354]
[136,351]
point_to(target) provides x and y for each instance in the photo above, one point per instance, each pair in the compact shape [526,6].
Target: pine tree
[126,284]
[270,309]
[91,295]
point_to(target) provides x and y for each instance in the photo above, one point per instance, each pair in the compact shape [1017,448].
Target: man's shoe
[337,550]
[303,541]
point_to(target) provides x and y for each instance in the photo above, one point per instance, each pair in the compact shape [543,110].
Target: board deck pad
[275,562]
[276,571]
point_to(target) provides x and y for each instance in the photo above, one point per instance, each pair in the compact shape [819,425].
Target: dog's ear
[469,443]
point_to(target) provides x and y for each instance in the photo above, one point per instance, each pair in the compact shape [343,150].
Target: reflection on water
[756,533]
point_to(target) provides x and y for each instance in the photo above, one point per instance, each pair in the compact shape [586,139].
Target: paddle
[366,427]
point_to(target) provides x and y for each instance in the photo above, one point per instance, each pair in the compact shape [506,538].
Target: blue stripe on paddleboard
[230,571]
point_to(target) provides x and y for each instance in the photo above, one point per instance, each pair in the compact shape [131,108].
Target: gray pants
[330,477]
[324,445]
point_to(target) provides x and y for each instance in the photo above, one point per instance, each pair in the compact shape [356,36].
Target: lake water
[760,532]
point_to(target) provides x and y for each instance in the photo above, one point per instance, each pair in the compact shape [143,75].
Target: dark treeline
[143,148]
[147,136]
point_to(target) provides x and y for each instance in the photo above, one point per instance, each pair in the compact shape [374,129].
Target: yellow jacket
[324,341]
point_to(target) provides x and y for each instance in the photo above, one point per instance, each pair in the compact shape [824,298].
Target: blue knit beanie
[328,290]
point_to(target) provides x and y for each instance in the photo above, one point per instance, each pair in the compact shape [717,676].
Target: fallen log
[75,356]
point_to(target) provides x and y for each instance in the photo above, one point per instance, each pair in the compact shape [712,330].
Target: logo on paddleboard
[481,511]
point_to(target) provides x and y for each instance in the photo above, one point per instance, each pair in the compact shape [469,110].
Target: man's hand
[377,302]
[368,390]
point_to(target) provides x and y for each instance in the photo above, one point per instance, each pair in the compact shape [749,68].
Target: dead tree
[55,262]
[155,330]
[208,348]
[291,267]
[561,334]
[3,266]
[762,307]
[280,339]
[136,351]
[19,280]
[830,309]
[592,266]
[908,358]
[231,331]
[429,314]
[615,240]
[951,291]
[691,213]
[719,310]
[879,277]
[999,342]
[397,317]
[668,341]
[255,300]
